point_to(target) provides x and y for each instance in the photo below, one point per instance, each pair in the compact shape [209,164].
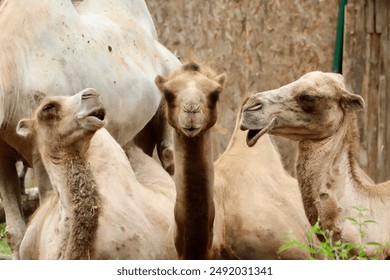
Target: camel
[97,209]
[192,93]
[319,112]
[238,207]
[50,48]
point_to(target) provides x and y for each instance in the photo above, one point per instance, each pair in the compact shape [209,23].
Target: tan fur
[98,208]
[252,203]
[319,112]
[190,102]
[50,48]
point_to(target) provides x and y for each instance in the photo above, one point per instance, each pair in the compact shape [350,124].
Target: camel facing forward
[191,94]
[319,112]
[97,209]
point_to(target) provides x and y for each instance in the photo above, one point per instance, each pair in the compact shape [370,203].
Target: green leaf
[369,221]
[287,245]
[353,220]
[4,248]
[360,208]
[374,244]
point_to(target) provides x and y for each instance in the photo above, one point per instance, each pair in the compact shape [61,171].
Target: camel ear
[160,81]
[351,101]
[25,127]
[221,79]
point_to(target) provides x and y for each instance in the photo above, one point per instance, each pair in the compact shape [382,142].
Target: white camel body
[350,196]
[133,220]
[110,45]
[50,47]
[318,111]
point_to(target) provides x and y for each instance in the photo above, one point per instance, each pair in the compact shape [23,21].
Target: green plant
[4,248]
[337,250]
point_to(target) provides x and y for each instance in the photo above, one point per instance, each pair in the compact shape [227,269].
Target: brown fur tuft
[192,66]
[86,207]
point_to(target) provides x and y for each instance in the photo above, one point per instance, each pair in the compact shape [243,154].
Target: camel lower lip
[98,113]
[191,132]
[254,134]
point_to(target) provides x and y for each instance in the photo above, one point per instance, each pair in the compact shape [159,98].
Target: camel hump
[122,12]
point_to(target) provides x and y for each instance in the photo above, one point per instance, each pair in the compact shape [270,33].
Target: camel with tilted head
[50,48]
[97,209]
[318,111]
[238,207]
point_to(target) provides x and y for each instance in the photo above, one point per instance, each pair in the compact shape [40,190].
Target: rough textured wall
[366,68]
[260,44]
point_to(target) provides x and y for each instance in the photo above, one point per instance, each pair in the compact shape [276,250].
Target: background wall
[261,45]
[366,67]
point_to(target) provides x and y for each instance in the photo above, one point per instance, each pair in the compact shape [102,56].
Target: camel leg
[11,195]
[158,133]
[163,134]
[22,171]
[41,177]
[164,139]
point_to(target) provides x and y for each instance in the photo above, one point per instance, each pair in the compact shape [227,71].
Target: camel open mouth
[99,113]
[254,134]
[93,119]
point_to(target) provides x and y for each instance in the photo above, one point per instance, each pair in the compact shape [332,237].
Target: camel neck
[194,208]
[80,204]
[323,167]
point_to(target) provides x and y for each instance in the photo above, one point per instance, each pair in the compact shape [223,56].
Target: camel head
[312,107]
[191,95]
[65,123]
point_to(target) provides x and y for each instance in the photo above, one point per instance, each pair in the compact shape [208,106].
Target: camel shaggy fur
[97,209]
[239,207]
[318,111]
[191,94]
[50,48]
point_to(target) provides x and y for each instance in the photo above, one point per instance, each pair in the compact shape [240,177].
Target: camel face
[310,108]
[191,94]
[68,121]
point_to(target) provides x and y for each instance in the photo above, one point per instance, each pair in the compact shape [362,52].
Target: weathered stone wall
[260,44]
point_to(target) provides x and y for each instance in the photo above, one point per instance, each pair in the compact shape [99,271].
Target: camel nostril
[89,94]
[191,109]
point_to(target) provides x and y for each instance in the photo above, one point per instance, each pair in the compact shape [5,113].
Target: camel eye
[50,111]
[307,102]
[214,95]
[169,96]
[48,107]
[306,98]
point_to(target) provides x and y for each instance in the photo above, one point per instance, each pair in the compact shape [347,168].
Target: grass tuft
[329,249]
[4,248]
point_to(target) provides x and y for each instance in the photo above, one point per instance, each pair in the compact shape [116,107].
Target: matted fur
[86,206]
